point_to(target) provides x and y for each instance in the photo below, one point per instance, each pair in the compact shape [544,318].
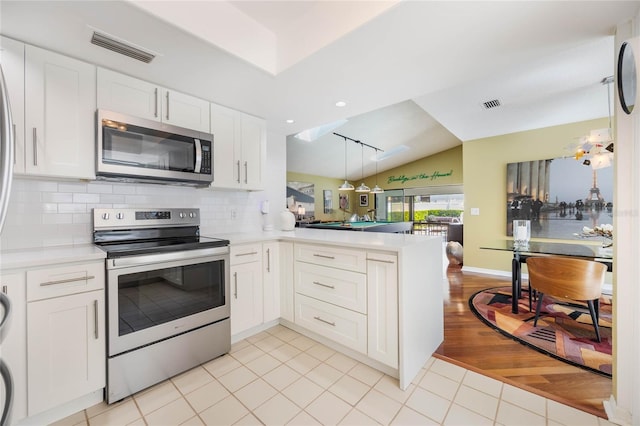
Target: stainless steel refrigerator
[6,174]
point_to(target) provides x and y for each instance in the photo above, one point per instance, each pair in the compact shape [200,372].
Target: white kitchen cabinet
[246,287]
[270,281]
[60,103]
[128,95]
[12,60]
[287,290]
[14,347]
[382,314]
[66,359]
[239,151]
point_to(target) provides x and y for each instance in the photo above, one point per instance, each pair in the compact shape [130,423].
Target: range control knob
[192,215]
[120,216]
[182,215]
[105,216]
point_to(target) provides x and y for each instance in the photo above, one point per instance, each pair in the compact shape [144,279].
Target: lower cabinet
[349,296]
[55,343]
[66,357]
[246,287]
[271,278]
[382,302]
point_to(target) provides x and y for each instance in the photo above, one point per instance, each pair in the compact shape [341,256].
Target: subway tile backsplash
[46,213]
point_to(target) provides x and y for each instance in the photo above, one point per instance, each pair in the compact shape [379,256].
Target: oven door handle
[147,259]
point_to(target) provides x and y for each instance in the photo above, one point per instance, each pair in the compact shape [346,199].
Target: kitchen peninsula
[374,296]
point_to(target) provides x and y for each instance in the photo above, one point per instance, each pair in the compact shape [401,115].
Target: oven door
[154,297]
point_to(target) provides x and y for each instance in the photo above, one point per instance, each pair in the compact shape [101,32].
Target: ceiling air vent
[118,46]
[491,104]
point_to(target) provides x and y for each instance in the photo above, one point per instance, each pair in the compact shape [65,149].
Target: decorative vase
[287,221]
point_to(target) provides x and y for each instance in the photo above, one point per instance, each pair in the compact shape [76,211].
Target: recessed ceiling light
[341,104]
[290,121]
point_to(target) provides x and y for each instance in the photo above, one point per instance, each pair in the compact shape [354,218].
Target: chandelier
[596,149]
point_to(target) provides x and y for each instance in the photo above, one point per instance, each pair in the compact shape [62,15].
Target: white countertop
[357,239]
[42,256]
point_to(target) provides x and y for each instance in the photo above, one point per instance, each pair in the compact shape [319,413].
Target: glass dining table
[538,248]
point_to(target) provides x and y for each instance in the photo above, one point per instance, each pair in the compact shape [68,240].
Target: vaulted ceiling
[412,73]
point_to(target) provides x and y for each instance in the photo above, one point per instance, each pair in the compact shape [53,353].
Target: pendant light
[376,189]
[346,186]
[362,187]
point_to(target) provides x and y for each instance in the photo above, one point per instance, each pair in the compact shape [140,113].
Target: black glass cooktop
[122,243]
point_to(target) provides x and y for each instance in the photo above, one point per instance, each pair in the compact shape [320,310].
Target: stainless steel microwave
[133,149]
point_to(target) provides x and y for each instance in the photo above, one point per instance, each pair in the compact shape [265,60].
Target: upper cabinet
[239,149]
[60,107]
[127,95]
[12,61]
[53,102]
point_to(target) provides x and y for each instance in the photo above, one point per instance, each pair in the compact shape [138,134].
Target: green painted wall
[485,175]
[444,168]
[321,183]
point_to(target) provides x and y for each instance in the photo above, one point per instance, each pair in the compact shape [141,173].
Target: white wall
[44,212]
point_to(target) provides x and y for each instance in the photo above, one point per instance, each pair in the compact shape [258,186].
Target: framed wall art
[559,196]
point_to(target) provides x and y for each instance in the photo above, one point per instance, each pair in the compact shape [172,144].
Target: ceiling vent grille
[491,104]
[118,46]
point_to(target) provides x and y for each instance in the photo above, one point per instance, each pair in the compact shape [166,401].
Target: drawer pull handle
[95,319]
[333,324]
[235,285]
[247,254]
[68,280]
[268,260]
[323,285]
[382,261]
[323,256]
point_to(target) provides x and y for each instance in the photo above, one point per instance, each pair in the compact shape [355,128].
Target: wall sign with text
[420,176]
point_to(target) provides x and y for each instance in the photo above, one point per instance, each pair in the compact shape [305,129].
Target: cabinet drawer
[336,257]
[246,253]
[64,280]
[343,288]
[341,325]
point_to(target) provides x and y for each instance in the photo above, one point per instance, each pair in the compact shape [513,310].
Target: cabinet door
[14,347]
[60,104]
[246,296]
[225,126]
[287,291]
[127,95]
[12,60]
[382,313]
[67,353]
[254,152]
[183,110]
[271,280]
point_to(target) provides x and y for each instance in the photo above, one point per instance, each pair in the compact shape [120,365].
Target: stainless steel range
[167,303]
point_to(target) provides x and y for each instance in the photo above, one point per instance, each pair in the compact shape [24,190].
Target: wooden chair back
[565,277]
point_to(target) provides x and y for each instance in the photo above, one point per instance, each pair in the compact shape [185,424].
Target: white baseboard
[615,414]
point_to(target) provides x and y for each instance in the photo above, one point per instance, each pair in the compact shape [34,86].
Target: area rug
[564,330]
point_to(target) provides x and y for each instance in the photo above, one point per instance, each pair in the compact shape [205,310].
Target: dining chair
[568,278]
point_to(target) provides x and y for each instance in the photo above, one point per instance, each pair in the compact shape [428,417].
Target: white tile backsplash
[49,213]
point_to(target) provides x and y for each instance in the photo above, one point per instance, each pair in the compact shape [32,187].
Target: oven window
[150,298]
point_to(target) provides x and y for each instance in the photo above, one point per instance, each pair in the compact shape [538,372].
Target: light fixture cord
[362,163]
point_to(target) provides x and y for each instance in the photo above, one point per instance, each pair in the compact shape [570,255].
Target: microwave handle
[198,165]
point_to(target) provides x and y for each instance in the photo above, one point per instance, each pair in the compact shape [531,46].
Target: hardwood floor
[472,344]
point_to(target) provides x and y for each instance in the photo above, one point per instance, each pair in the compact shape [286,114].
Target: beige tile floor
[279,377]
